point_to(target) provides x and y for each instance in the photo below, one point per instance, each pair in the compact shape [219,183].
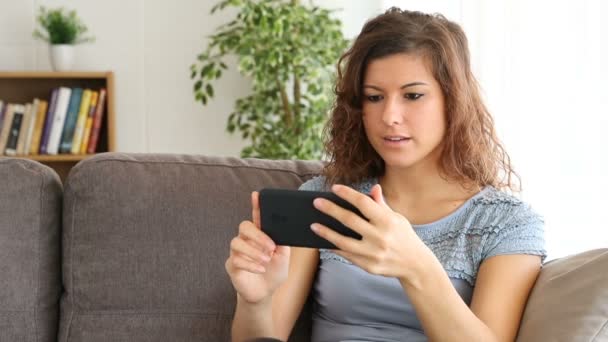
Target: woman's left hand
[389,245]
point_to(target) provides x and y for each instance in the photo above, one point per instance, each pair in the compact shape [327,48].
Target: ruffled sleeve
[521,233]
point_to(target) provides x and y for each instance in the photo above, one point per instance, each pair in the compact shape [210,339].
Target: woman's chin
[402,162]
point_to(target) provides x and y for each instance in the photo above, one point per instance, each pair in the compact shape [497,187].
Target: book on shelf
[25,123]
[97,121]
[2,110]
[61,111]
[67,133]
[37,134]
[15,128]
[6,126]
[68,123]
[89,123]
[48,122]
[30,127]
[82,118]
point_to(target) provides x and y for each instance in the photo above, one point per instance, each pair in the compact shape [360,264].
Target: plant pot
[62,57]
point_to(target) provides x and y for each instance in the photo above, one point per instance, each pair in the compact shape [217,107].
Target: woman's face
[403,110]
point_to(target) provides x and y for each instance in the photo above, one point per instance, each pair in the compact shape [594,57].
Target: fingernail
[314,227]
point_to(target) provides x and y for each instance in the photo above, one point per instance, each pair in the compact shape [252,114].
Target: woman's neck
[421,184]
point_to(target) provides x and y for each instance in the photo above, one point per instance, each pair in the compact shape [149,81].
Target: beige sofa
[132,248]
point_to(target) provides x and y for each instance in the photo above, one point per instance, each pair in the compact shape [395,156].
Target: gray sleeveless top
[353,305]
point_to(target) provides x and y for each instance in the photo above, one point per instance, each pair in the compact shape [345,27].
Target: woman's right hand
[256,266]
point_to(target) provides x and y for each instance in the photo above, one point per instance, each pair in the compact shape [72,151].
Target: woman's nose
[393,112]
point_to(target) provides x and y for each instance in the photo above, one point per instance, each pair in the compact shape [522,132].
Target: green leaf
[206,70]
[209,89]
[198,85]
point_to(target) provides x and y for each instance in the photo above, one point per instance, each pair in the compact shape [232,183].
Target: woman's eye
[413,96]
[374,98]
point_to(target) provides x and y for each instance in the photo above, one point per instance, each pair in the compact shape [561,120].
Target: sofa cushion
[30,280]
[145,240]
[569,301]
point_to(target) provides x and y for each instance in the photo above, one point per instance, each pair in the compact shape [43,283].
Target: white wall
[352,13]
[150,46]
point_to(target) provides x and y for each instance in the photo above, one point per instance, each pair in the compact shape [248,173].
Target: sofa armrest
[569,301]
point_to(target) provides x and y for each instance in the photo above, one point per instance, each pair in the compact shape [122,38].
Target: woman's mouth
[396,140]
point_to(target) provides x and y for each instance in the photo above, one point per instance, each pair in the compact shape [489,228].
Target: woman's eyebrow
[402,87]
[412,84]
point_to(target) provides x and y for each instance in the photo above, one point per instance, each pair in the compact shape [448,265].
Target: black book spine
[13,138]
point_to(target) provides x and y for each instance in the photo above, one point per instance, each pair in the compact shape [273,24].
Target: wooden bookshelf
[23,87]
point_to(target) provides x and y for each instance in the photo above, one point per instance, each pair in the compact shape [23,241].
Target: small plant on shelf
[62,29]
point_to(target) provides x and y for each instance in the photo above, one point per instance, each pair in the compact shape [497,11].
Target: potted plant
[289,51]
[62,29]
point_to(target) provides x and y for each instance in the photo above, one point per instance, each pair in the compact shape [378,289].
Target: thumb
[377,195]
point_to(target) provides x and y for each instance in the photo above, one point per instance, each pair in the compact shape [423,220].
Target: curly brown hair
[472,153]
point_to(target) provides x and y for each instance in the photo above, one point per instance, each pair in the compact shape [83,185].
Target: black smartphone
[286,216]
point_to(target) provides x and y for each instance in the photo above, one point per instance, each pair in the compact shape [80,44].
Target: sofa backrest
[30,230]
[145,240]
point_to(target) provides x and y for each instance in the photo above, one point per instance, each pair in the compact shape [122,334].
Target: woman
[446,254]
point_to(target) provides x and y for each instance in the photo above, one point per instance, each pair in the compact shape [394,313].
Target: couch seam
[203,164]
[38,261]
[604,327]
[73,306]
